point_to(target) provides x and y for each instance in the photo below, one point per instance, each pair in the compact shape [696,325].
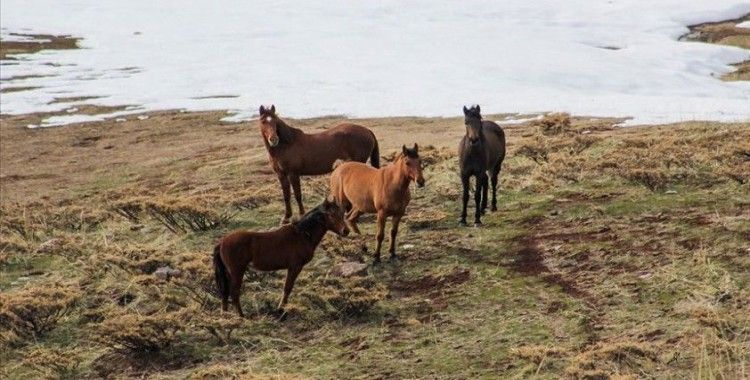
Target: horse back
[353,182]
[265,250]
[316,153]
[353,139]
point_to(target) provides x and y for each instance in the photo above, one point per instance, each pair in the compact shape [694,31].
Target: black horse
[480,154]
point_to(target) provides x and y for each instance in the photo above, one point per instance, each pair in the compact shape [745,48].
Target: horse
[361,189]
[481,154]
[293,153]
[289,247]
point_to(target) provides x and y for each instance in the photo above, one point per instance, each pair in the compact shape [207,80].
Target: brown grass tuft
[54,363]
[553,124]
[134,334]
[29,313]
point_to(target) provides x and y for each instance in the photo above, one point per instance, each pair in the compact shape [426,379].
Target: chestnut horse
[293,153]
[288,247]
[481,154]
[361,189]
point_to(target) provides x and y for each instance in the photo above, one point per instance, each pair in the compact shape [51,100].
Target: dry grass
[589,269]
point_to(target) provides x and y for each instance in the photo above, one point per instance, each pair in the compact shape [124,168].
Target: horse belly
[361,200]
[272,254]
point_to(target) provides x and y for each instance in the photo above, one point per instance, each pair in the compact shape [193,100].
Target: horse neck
[396,176]
[314,235]
[479,147]
[287,133]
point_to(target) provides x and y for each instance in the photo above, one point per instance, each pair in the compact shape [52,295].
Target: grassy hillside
[615,253]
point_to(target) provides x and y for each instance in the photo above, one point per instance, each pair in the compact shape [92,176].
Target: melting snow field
[379,58]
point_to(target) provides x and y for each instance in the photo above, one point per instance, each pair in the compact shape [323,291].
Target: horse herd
[355,189]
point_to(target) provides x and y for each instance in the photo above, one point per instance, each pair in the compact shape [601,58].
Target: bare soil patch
[36,43]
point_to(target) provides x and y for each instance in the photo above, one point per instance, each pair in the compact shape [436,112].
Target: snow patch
[381,58]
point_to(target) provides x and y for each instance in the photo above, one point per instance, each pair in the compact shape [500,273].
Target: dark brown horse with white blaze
[289,247]
[361,189]
[481,154]
[294,153]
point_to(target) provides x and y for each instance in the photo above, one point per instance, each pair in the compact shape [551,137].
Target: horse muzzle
[420,182]
[344,231]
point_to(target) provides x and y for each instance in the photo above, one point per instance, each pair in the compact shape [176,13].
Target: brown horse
[481,153]
[361,189]
[293,152]
[288,247]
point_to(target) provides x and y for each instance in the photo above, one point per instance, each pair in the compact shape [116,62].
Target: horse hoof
[284,221]
[376,262]
[281,315]
[477,224]
[393,258]
[493,209]
[462,223]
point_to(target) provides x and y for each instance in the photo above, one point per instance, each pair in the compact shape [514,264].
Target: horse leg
[394,231]
[225,300]
[465,182]
[297,192]
[495,172]
[235,288]
[379,236]
[481,180]
[351,219]
[484,194]
[291,276]
[287,202]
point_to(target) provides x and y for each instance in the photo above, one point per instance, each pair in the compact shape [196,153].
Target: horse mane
[284,131]
[312,219]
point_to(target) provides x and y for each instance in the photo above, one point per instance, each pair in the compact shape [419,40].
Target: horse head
[334,217]
[473,122]
[269,125]
[412,164]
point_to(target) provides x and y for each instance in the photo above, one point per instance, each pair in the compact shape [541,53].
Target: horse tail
[375,154]
[220,272]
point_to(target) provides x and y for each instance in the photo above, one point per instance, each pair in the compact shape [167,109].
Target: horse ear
[404,149]
[416,148]
[466,111]
[262,110]
[478,109]
[273,109]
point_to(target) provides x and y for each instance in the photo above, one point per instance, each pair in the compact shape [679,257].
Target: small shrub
[197,278]
[536,150]
[653,179]
[134,259]
[130,209]
[54,363]
[553,124]
[182,217]
[217,324]
[605,359]
[29,313]
[33,219]
[581,143]
[349,297]
[134,334]
[178,215]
